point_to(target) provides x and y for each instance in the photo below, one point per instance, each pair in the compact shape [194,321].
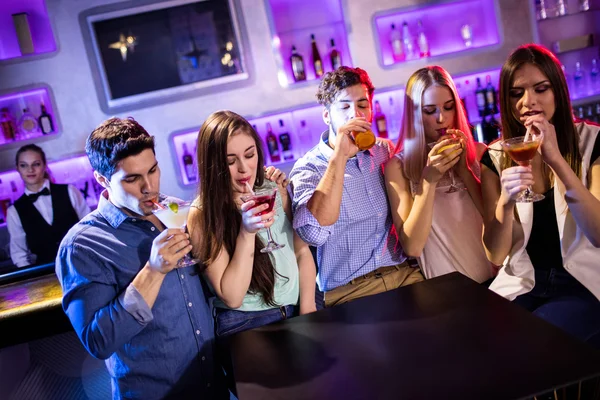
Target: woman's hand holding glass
[444,155]
[253,223]
[515,180]
[549,146]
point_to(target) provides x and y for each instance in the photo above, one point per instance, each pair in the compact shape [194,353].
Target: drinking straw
[527,134]
[158,205]
[249,188]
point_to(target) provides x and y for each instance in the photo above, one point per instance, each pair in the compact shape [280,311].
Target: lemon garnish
[444,148]
[174,207]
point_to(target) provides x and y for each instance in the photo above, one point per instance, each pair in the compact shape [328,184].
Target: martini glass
[260,197]
[174,215]
[453,186]
[522,152]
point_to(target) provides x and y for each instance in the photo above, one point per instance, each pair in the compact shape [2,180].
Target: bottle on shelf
[335,56]
[7,123]
[297,66]
[394,126]
[407,42]
[305,140]
[272,145]
[45,121]
[490,129]
[561,7]
[580,113]
[578,79]
[540,9]
[188,165]
[598,112]
[380,121]
[490,96]
[481,98]
[28,125]
[396,41]
[594,78]
[422,41]
[286,142]
[589,113]
[316,58]
[584,5]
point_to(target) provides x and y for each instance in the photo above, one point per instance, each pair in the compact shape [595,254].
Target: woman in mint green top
[252,288]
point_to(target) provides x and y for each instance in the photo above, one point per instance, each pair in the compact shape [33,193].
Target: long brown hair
[412,134]
[219,220]
[566,134]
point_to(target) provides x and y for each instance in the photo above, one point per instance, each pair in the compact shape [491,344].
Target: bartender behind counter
[41,217]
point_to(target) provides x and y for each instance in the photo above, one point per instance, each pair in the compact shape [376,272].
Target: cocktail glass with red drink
[260,197]
[522,149]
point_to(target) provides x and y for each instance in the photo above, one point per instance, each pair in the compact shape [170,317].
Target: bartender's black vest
[43,239]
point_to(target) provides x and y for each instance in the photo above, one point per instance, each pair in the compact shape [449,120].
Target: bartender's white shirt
[19,252]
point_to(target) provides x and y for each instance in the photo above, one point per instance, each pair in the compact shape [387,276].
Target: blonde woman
[433,181]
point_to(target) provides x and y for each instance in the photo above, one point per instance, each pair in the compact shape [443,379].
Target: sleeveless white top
[454,242]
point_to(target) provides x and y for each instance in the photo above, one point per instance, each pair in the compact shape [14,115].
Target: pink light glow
[442,24]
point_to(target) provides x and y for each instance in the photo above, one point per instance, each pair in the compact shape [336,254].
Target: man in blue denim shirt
[127,300]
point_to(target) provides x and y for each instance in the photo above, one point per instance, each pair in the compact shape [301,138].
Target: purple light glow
[74,170]
[294,22]
[442,24]
[39,23]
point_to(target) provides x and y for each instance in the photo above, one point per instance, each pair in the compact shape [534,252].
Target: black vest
[43,239]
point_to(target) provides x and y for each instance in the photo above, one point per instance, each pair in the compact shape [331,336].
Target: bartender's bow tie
[34,196]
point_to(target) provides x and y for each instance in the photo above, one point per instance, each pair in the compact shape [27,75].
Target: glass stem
[269,235]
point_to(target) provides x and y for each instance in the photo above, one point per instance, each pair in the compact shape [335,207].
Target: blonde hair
[412,140]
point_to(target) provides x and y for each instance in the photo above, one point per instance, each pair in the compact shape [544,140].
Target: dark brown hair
[114,140]
[219,220]
[566,134]
[335,81]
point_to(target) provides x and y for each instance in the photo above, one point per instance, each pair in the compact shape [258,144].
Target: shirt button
[370,192]
[190,304]
[380,214]
[182,276]
[197,331]
[133,220]
[208,384]
[153,229]
[203,358]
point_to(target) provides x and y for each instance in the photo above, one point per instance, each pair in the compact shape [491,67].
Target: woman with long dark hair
[549,249]
[253,288]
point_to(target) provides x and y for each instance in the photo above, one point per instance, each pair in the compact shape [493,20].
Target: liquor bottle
[490,129]
[45,121]
[316,58]
[490,96]
[394,119]
[396,41]
[9,128]
[540,9]
[594,78]
[580,113]
[407,41]
[286,142]
[598,112]
[335,57]
[589,113]
[305,139]
[480,97]
[561,7]
[297,66]
[380,122]
[578,79]
[584,5]
[422,41]
[188,165]
[272,145]
[27,124]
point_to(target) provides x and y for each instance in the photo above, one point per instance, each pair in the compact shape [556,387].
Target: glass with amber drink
[522,149]
[454,139]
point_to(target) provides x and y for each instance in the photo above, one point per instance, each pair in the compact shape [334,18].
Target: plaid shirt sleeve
[303,182]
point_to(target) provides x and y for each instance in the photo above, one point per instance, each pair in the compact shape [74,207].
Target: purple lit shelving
[74,170]
[442,24]
[17,100]
[39,24]
[292,23]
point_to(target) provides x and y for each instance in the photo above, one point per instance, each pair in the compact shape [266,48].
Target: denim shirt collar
[327,151]
[111,213]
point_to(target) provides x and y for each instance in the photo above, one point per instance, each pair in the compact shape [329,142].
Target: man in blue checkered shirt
[339,199]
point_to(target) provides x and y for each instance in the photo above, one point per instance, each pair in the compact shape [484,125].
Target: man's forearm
[148,283]
[325,202]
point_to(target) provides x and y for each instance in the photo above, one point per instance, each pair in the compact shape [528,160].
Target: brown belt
[379,272]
